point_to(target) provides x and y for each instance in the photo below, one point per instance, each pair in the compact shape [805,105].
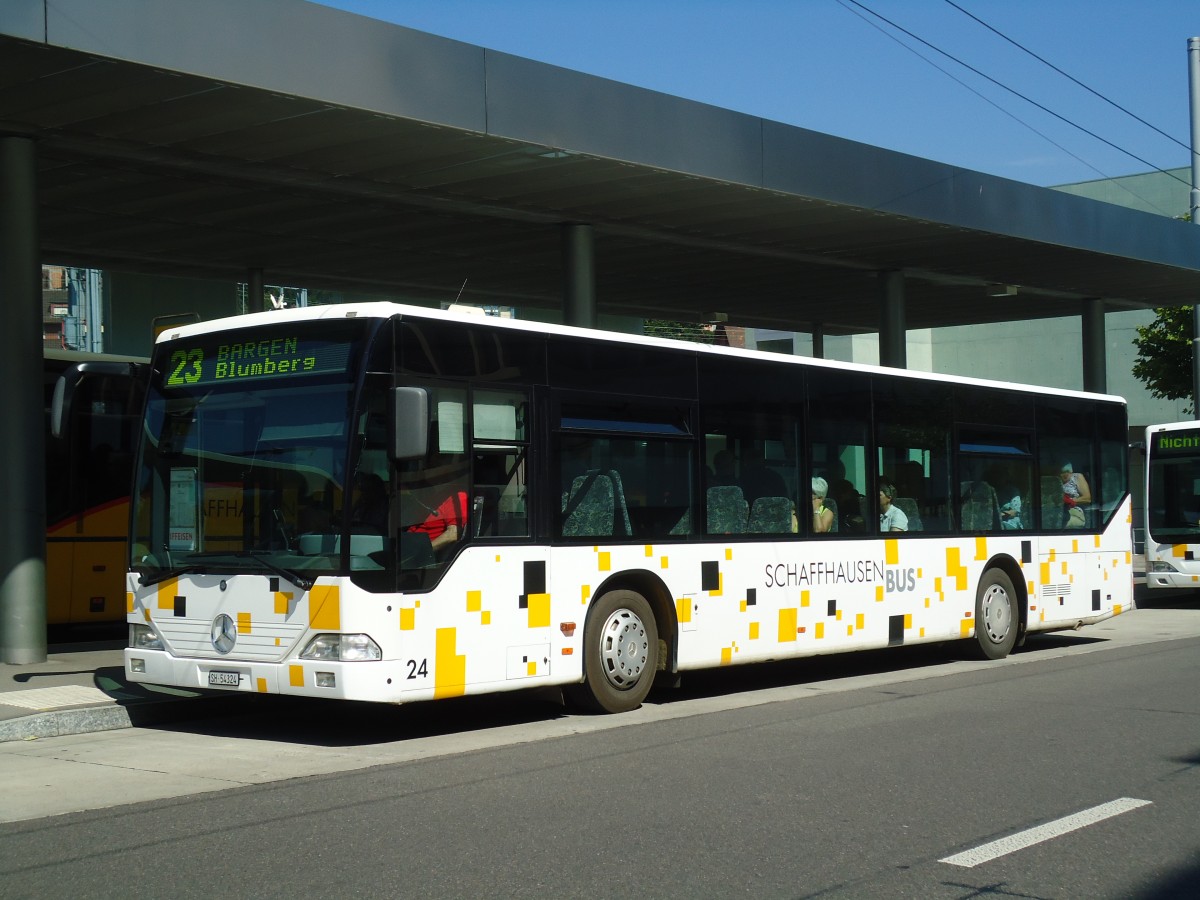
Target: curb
[89,719]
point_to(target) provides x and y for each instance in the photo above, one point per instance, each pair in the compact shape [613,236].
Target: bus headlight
[346,647]
[1160,565]
[142,637]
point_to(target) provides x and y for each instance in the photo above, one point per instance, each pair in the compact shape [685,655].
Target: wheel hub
[996,613]
[624,648]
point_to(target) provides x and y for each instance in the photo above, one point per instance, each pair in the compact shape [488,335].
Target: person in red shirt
[446,524]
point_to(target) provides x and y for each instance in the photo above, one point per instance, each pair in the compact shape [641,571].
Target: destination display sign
[281,357]
[1176,443]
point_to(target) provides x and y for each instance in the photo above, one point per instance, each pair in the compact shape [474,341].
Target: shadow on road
[347,724]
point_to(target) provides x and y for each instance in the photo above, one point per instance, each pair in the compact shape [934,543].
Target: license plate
[225,679]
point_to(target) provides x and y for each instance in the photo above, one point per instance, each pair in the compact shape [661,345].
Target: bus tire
[620,654]
[996,618]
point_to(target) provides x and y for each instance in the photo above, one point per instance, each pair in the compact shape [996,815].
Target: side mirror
[410,423]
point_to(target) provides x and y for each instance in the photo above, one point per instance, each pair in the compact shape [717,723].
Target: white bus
[387,503]
[1173,505]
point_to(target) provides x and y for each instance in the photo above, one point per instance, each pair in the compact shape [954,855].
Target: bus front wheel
[620,653]
[995,615]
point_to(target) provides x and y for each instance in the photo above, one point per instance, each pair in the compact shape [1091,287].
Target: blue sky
[829,65]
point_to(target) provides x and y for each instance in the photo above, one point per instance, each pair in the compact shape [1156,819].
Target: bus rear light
[567,628]
[344,647]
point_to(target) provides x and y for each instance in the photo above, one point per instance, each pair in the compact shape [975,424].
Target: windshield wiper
[146,579]
[305,584]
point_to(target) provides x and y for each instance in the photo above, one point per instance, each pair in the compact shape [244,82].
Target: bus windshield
[1173,485]
[246,443]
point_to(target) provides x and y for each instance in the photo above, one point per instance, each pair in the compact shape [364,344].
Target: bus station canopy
[215,137]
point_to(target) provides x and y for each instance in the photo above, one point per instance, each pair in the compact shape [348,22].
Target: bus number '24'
[418,669]
[180,374]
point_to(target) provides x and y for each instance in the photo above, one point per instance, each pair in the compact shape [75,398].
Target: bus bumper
[367,680]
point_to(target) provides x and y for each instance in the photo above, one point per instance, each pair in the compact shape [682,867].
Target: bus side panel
[1084,578]
[494,623]
[768,601]
[85,566]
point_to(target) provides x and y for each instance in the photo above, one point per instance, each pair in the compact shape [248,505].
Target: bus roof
[387,309]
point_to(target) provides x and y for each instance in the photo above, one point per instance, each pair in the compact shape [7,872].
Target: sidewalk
[81,687]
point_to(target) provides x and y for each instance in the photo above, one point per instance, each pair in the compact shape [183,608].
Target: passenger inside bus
[1076,496]
[444,523]
[1010,508]
[891,518]
[823,518]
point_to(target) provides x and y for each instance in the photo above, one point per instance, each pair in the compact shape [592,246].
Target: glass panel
[839,409]
[622,368]
[1174,501]
[1114,461]
[433,504]
[621,487]
[751,422]
[499,492]
[445,349]
[245,447]
[1066,463]
[993,407]
[912,433]
[995,494]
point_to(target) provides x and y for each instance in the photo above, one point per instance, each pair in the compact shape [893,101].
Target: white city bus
[387,503]
[1173,505]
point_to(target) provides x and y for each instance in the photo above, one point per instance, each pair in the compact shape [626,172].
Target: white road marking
[970,858]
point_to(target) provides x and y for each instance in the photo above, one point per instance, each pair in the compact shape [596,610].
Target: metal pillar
[254,290]
[818,339]
[1193,45]
[892,329]
[579,275]
[1095,372]
[22,452]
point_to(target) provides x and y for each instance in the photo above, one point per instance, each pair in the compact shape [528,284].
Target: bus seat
[831,505]
[485,510]
[908,506]
[727,510]
[590,507]
[771,515]
[1053,511]
[980,511]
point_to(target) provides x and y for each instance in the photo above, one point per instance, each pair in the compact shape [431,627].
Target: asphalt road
[873,775]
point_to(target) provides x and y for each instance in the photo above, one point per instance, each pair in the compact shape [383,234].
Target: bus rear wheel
[620,654]
[995,615]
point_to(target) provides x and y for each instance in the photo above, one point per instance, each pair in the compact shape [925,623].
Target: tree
[1164,360]
[680,331]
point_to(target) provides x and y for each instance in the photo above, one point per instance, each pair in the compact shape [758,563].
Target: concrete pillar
[892,328]
[1095,372]
[22,452]
[579,275]
[254,290]
[818,339]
